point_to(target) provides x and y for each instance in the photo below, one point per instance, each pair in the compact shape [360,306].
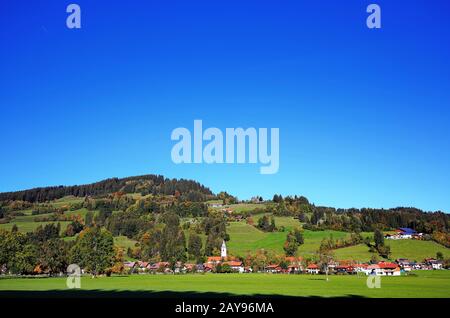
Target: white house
[312,269]
[383,269]
[435,264]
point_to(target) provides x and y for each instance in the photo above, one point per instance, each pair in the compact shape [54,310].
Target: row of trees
[42,251]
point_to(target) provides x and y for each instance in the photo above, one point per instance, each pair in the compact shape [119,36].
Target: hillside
[147,184]
[128,206]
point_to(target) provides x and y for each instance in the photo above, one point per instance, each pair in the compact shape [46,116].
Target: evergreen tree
[195,246]
[378,237]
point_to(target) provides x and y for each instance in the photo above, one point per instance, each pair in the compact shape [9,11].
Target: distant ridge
[146,184]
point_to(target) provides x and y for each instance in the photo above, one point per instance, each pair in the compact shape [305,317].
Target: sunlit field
[428,284]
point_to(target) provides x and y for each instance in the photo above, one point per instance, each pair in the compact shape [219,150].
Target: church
[223,250]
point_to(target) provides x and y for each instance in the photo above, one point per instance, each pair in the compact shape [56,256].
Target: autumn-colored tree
[94,250]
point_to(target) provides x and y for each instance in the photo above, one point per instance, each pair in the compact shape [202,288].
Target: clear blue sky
[364,115]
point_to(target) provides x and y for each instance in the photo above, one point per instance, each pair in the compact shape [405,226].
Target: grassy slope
[411,249]
[124,242]
[26,223]
[244,237]
[427,284]
[30,225]
[242,207]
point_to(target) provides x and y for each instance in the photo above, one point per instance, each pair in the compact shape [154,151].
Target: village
[291,265]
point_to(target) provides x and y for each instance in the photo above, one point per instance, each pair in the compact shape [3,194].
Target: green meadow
[29,225]
[245,238]
[426,284]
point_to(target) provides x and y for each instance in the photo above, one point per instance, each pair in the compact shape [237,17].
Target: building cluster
[404,233]
[293,265]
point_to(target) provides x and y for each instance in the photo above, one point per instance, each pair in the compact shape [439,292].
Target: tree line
[146,184]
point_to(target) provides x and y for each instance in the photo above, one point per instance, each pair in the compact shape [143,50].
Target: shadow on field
[86,294]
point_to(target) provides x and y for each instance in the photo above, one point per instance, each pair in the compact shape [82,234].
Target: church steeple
[223,250]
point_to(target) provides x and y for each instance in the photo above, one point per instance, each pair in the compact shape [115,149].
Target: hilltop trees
[147,184]
[227,198]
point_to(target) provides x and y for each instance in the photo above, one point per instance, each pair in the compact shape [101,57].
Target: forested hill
[146,184]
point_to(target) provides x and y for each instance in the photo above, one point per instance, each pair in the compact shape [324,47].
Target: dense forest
[147,184]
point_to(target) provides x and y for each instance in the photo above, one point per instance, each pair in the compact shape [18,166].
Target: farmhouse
[236,266]
[295,264]
[273,268]
[433,263]
[129,264]
[405,264]
[360,268]
[159,267]
[404,233]
[214,260]
[345,269]
[383,269]
[312,269]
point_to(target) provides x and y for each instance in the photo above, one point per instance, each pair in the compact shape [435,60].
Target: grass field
[427,284]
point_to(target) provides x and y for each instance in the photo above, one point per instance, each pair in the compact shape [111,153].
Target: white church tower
[223,250]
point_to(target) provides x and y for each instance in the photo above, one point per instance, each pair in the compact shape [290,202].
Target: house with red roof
[214,260]
[383,269]
[236,266]
[360,267]
[294,264]
[345,269]
[273,268]
[312,269]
